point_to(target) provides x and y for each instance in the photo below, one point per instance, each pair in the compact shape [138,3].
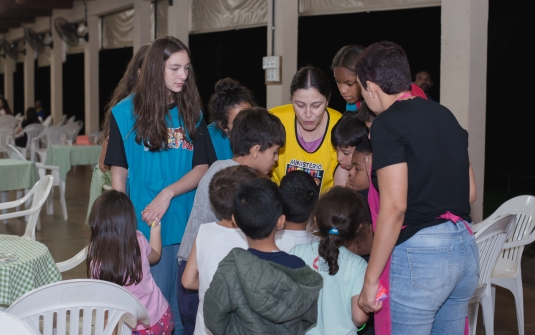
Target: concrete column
[178,20]
[9,92]
[463,72]
[142,22]
[57,55]
[29,77]
[91,96]
[286,21]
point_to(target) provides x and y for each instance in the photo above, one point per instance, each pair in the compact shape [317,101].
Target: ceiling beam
[39,5]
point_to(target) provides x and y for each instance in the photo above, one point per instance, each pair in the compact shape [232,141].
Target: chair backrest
[47,122]
[490,240]
[73,129]
[53,136]
[32,131]
[14,153]
[523,207]
[12,325]
[71,119]
[9,121]
[6,137]
[66,300]
[62,120]
[38,193]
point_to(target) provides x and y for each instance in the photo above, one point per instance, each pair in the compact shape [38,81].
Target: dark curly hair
[344,209]
[228,93]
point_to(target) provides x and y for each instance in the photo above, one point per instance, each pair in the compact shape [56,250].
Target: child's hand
[154,211]
[368,296]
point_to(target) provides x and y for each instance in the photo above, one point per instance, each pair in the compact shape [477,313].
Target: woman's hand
[367,297]
[154,211]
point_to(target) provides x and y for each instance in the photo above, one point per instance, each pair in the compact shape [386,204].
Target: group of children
[262,258]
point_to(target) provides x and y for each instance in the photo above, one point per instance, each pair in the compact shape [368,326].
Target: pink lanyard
[405,95]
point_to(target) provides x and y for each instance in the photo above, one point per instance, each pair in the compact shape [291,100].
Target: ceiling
[13,13]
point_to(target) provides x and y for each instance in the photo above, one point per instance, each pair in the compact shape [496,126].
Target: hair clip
[334,231]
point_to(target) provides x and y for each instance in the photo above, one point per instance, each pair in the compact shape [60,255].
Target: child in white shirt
[299,193]
[215,240]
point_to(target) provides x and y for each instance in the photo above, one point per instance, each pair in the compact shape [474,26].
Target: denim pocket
[476,254]
[431,268]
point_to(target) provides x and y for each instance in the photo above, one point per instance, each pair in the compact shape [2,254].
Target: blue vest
[221,142]
[150,172]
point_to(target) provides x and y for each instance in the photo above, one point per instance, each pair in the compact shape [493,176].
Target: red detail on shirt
[315,263]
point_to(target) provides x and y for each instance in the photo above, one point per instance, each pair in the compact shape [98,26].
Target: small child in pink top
[120,254]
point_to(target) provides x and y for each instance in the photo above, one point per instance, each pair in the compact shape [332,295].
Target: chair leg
[518,293]
[18,196]
[62,200]
[50,203]
[488,314]
[3,198]
[493,289]
[473,310]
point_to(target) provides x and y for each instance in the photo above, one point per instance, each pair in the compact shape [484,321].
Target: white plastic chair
[50,136]
[31,131]
[9,121]
[14,153]
[12,325]
[72,262]
[490,240]
[6,137]
[73,129]
[61,303]
[507,271]
[47,122]
[39,192]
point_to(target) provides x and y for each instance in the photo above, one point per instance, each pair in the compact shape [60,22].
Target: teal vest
[221,142]
[150,172]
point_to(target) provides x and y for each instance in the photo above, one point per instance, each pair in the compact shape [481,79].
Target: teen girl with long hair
[159,140]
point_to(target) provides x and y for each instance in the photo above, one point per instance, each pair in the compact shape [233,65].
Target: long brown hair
[113,252]
[151,103]
[124,88]
[343,209]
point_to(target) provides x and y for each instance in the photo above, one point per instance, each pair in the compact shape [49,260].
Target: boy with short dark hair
[256,137]
[347,133]
[261,290]
[215,240]
[300,194]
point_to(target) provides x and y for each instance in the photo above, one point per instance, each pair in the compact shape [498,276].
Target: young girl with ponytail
[339,216]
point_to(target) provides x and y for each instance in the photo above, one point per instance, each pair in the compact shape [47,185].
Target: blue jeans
[432,276]
[188,301]
[165,275]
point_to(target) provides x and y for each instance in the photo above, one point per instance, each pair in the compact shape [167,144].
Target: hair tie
[334,231]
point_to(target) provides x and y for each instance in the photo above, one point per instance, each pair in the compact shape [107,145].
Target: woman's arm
[473,189]
[159,205]
[190,278]
[359,316]
[118,178]
[393,187]
[340,176]
[155,244]
[103,167]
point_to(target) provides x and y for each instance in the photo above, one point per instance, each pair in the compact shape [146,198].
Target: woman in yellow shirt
[308,123]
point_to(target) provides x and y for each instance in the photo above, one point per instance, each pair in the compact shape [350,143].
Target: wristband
[362,327]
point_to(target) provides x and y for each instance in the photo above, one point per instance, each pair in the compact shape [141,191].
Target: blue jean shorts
[433,275]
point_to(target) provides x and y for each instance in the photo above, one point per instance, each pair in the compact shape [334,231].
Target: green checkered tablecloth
[98,180]
[34,268]
[66,156]
[16,174]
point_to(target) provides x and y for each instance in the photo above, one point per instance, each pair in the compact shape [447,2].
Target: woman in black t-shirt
[423,174]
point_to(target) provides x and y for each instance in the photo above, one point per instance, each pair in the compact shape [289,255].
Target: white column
[9,92]
[91,96]
[463,72]
[29,78]
[142,22]
[178,17]
[286,21]
[56,77]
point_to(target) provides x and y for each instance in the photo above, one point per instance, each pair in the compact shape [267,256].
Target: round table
[35,267]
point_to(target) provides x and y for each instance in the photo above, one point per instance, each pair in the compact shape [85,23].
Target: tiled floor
[65,238]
